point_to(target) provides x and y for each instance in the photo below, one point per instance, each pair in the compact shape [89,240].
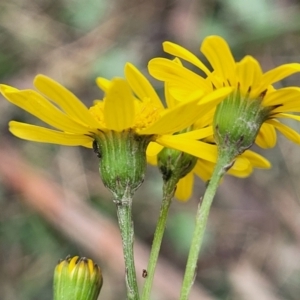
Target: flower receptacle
[236,123]
[122,162]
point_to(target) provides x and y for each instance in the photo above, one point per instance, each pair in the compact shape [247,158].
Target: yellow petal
[45,135]
[241,173]
[288,116]
[288,132]
[279,73]
[256,160]
[241,163]
[249,74]
[185,187]
[240,168]
[184,54]
[41,108]
[195,148]
[175,119]
[153,149]
[170,100]
[287,99]
[266,137]
[177,61]
[218,53]
[204,169]
[198,134]
[205,119]
[292,106]
[66,100]
[181,80]
[152,160]
[119,108]
[103,83]
[141,86]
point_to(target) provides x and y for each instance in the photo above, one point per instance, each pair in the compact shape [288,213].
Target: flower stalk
[122,168]
[124,212]
[236,123]
[223,165]
[174,165]
[169,188]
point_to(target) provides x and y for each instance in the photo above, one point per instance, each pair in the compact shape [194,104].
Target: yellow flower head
[245,77]
[119,127]
[205,153]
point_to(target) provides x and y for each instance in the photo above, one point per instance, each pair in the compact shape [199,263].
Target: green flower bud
[123,161]
[237,121]
[77,279]
[175,164]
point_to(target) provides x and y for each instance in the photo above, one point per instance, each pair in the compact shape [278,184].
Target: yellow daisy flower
[245,76]
[130,104]
[204,166]
[119,127]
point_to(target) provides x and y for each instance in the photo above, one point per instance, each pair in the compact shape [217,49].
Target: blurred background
[52,201]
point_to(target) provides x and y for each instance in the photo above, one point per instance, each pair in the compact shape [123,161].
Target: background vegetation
[52,202]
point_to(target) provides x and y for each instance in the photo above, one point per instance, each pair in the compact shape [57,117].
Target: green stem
[221,167]
[124,211]
[168,193]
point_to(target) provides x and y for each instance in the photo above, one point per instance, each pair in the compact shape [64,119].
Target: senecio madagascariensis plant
[77,279]
[119,128]
[207,128]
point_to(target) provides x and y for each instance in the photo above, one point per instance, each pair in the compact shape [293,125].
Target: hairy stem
[124,212]
[201,220]
[168,193]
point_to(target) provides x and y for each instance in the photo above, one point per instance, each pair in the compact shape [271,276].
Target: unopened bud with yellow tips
[77,279]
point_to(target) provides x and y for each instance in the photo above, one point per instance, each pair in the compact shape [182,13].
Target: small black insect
[96,148]
[145,273]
